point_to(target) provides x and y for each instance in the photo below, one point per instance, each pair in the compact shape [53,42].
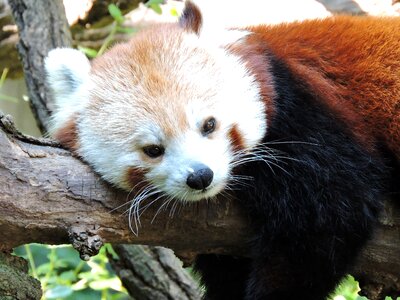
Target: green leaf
[88,276]
[59,291]
[157,8]
[3,76]
[347,289]
[89,52]
[174,12]
[68,276]
[110,251]
[80,285]
[97,272]
[118,296]
[43,269]
[109,283]
[86,294]
[60,263]
[155,5]
[151,2]
[116,13]
[128,30]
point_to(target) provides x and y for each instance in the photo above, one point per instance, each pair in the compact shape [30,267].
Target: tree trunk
[42,26]
[15,283]
[151,273]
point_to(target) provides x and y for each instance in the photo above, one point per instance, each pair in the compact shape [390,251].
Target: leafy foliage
[348,290]
[64,275]
[155,5]
[116,27]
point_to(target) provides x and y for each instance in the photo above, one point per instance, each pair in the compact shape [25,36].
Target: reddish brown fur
[67,135]
[144,66]
[236,138]
[191,18]
[140,67]
[352,64]
[134,178]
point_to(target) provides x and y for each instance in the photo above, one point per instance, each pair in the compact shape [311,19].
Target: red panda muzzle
[200,178]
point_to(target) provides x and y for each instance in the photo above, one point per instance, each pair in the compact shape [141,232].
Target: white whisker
[134,209]
[161,207]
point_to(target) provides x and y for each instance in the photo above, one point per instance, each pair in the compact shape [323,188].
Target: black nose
[200,178]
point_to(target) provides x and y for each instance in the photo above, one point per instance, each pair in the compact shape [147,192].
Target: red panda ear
[67,135]
[191,19]
[67,76]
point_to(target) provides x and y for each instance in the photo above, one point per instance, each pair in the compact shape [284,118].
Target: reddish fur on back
[352,64]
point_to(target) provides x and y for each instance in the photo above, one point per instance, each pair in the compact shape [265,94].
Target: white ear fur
[67,75]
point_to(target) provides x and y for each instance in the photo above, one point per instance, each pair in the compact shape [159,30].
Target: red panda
[300,121]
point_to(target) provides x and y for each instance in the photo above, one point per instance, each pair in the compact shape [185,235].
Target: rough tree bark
[15,283]
[43,26]
[160,272]
[49,196]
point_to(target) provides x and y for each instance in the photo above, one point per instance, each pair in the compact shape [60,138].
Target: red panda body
[302,120]
[352,64]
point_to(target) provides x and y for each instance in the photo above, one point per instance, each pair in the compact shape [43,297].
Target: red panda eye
[208,126]
[153,151]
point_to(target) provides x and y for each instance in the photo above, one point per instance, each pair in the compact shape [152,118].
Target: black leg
[224,277]
[309,269]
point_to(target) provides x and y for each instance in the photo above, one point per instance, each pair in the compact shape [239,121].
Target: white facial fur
[160,96]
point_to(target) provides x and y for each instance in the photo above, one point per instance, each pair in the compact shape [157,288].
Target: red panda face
[166,112]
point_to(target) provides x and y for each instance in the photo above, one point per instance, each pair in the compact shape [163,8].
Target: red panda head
[171,109]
